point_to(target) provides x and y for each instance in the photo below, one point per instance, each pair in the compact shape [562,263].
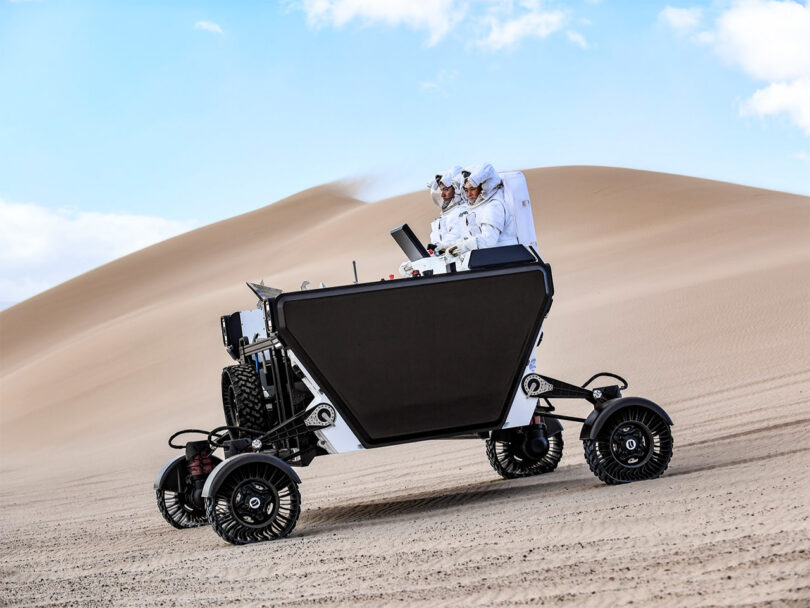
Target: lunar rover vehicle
[365,365]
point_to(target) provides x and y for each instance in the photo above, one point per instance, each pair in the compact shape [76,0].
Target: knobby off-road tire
[635,444]
[255,503]
[507,460]
[242,399]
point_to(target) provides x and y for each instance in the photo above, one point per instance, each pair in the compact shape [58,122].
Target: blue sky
[123,123]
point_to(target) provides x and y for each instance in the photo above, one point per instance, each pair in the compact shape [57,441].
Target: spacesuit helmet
[445,190]
[480,181]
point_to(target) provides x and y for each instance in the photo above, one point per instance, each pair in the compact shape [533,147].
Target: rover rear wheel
[634,444]
[510,462]
[242,399]
[255,502]
[176,509]
[174,496]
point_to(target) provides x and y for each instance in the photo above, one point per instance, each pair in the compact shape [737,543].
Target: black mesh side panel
[418,358]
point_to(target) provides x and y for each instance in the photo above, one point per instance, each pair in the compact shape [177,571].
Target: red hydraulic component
[198,455]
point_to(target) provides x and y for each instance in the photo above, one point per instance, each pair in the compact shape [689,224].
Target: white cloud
[437,17]
[534,24]
[769,40]
[802,155]
[577,38]
[41,247]
[681,19]
[791,98]
[208,26]
[496,24]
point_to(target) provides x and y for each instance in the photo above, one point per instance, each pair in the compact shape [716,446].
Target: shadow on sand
[445,498]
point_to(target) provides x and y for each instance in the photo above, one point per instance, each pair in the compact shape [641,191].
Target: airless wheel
[175,496]
[634,444]
[255,502]
[510,460]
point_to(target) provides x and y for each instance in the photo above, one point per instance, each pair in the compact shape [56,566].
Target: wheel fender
[223,469]
[597,418]
[553,426]
[168,478]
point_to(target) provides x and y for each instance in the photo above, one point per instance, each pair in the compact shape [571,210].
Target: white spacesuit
[450,226]
[489,220]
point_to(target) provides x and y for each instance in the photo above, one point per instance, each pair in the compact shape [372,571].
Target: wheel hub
[631,444]
[254,503]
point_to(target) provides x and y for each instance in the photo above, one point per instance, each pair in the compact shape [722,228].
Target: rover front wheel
[255,502]
[635,444]
[509,461]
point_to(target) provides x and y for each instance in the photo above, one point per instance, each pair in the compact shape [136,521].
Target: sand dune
[698,291]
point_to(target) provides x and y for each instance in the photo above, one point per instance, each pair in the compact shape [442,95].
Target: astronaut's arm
[457,231]
[488,237]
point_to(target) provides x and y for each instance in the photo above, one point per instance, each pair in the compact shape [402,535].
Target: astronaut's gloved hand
[432,246]
[405,269]
[463,246]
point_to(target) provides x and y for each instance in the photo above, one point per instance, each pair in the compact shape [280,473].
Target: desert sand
[697,291]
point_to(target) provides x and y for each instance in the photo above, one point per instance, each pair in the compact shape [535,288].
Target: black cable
[183,432]
[609,375]
[216,435]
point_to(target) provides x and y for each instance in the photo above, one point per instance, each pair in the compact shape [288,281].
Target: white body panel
[438,264]
[522,410]
[335,439]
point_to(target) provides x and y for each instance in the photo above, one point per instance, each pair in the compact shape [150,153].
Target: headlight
[224,324]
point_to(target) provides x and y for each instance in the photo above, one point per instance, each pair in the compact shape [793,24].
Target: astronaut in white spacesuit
[489,220]
[446,192]
[449,227]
